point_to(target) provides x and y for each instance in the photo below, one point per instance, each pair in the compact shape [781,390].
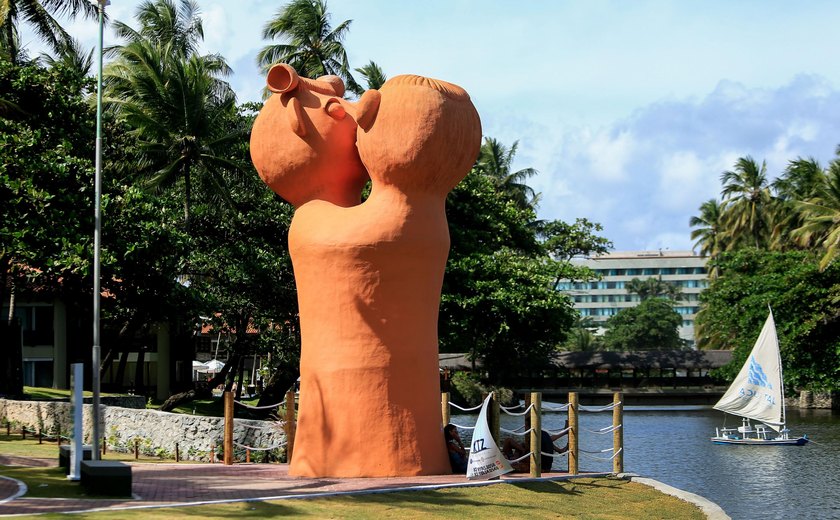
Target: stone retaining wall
[818,400]
[156,432]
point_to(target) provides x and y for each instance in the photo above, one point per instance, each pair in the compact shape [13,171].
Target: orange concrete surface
[368,275]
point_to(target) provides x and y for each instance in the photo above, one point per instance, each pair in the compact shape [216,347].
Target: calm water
[672,446]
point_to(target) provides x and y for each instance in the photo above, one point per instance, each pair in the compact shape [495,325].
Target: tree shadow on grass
[570,487]
[414,504]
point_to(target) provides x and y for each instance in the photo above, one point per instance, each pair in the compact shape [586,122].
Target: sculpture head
[418,133]
[303,142]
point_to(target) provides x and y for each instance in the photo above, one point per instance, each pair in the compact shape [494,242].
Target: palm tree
[39,15]
[72,56]
[801,180]
[821,217]
[709,233]
[583,337]
[496,161]
[175,100]
[747,203]
[373,75]
[654,288]
[307,42]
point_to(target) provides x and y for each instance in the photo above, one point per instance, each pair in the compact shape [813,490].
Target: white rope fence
[507,410]
[552,408]
[560,432]
[262,433]
[516,431]
[598,409]
[573,429]
[266,407]
[556,455]
[243,446]
[588,454]
[464,409]
[279,424]
[604,430]
[520,459]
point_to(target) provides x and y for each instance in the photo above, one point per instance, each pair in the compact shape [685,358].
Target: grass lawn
[36,393]
[45,482]
[213,407]
[14,445]
[581,499]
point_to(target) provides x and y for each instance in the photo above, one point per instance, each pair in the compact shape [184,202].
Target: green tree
[565,241]
[47,218]
[748,203]
[501,278]
[805,302]
[820,217]
[583,336]
[175,101]
[651,325]
[710,232]
[241,274]
[495,160]
[648,288]
[72,56]
[307,42]
[373,75]
[800,181]
[39,15]
[44,189]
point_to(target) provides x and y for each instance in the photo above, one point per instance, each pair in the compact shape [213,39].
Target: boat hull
[799,441]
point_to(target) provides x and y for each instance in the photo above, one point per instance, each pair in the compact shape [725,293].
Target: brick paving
[156,485]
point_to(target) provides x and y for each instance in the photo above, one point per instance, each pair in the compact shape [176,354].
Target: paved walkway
[159,485]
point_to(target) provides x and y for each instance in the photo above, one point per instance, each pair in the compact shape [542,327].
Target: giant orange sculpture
[368,275]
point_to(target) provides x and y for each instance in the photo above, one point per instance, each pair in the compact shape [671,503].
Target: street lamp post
[97,235]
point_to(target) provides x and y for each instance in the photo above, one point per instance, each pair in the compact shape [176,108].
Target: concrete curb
[711,510]
[21,489]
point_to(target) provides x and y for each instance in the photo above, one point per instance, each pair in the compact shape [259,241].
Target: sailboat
[757,394]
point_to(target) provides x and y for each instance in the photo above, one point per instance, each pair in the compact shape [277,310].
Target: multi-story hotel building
[603,298]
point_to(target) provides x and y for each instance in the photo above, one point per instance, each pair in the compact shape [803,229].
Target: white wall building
[603,298]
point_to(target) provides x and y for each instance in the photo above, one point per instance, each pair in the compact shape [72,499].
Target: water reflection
[746,481]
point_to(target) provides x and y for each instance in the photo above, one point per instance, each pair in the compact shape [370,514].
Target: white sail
[486,460]
[757,393]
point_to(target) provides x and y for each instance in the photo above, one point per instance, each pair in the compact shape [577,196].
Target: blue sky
[630,111]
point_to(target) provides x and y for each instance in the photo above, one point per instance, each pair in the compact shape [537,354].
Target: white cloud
[644,176]
[682,174]
[609,154]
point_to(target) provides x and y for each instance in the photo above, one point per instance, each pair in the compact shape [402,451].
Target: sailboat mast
[781,370]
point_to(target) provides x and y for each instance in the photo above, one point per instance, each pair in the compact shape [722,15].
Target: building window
[36,323]
[38,372]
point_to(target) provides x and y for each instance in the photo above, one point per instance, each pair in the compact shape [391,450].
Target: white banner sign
[486,460]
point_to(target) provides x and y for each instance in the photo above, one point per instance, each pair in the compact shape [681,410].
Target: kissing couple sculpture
[368,274]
